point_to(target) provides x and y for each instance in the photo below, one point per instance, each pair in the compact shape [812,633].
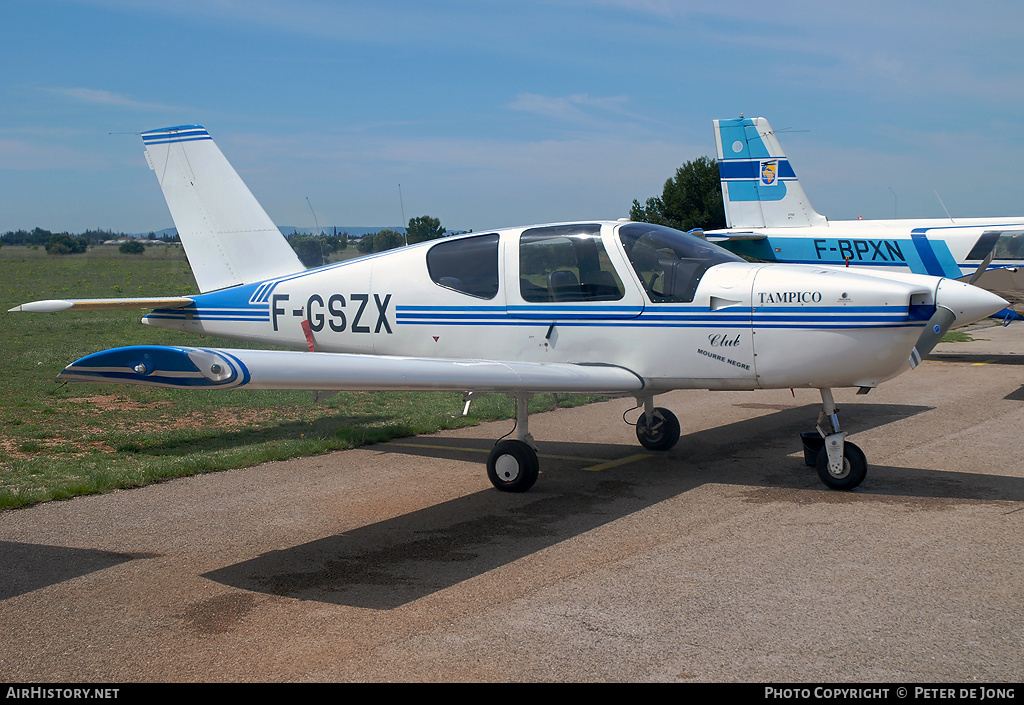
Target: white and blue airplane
[769,218]
[611,307]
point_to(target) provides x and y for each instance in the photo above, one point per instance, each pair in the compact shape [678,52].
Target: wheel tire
[855,468]
[663,435]
[512,466]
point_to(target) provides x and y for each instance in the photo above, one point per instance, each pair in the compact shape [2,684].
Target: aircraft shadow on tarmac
[324,425]
[976,358]
[983,359]
[396,561]
[25,567]
[1016,395]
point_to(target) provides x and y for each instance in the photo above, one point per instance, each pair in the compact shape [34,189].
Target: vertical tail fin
[229,239]
[759,187]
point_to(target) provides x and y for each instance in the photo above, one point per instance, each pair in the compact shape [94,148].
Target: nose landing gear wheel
[513,466]
[662,434]
[855,468]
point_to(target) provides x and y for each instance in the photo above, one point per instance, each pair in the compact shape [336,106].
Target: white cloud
[91,95]
[578,108]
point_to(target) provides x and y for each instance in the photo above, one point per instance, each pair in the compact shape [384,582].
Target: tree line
[40,236]
[315,250]
[690,199]
[312,250]
[64,243]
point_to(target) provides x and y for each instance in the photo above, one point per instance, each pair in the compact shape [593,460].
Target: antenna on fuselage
[944,206]
[323,257]
[405,225]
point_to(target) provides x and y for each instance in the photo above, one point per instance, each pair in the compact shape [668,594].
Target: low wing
[197,368]
[52,305]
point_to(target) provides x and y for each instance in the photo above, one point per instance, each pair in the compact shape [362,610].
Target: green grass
[955,336]
[61,440]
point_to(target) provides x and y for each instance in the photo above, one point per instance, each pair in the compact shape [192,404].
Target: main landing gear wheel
[855,468]
[513,466]
[663,432]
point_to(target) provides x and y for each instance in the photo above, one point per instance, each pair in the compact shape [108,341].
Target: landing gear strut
[513,466]
[657,428]
[841,465]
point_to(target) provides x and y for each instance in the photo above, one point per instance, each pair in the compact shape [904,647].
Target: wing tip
[47,306]
[54,305]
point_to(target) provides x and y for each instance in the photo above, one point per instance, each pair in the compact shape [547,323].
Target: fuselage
[943,248]
[771,219]
[672,308]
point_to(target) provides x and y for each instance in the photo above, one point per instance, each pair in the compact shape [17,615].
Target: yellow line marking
[570,458]
[616,463]
[602,464]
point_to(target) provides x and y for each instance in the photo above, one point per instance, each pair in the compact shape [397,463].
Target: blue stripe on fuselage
[225,305]
[925,251]
[809,317]
[919,254]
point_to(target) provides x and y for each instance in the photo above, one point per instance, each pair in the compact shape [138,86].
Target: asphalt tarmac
[724,559]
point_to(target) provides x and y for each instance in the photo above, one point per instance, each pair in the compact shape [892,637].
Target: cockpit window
[1010,246]
[670,263]
[467,265]
[1002,244]
[566,263]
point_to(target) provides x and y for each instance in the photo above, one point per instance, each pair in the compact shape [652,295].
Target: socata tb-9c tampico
[597,307]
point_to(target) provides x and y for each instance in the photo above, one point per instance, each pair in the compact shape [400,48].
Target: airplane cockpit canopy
[1001,244]
[568,263]
[668,262]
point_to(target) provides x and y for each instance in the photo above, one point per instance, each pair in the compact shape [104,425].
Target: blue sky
[495,114]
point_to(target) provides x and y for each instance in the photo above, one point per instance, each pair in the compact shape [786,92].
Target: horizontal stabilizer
[712,236]
[162,366]
[52,305]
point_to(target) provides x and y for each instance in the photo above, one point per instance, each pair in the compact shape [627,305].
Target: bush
[64,244]
[132,247]
[387,239]
[311,250]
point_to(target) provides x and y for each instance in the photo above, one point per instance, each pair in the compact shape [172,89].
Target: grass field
[60,440]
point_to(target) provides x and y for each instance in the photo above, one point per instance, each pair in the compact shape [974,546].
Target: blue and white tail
[229,239]
[759,187]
